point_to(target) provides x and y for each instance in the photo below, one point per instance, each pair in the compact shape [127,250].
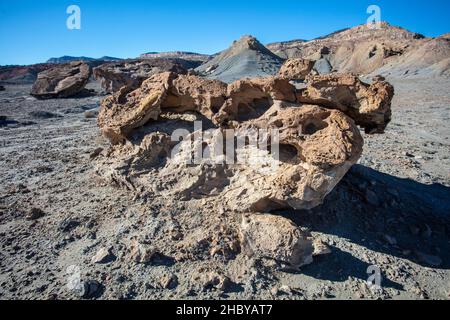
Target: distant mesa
[66,59]
[22,74]
[190,56]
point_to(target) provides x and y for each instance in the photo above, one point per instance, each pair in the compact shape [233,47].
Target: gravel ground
[391,212]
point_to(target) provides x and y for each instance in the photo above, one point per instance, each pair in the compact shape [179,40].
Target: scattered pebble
[102,256]
[35,213]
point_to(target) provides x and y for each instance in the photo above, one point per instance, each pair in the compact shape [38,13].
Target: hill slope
[246,57]
[389,50]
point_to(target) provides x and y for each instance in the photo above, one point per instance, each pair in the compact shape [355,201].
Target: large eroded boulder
[131,73]
[304,148]
[61,81]
[296,69]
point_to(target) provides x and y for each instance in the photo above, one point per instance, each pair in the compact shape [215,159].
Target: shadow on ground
[386,214]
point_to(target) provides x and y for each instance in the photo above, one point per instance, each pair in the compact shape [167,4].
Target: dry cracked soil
[60,223]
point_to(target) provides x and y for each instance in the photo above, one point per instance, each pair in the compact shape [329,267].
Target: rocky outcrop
[275,237]
[317,143]
[131,73]
[61,81]
[296,69]
[368,105]
[124,111]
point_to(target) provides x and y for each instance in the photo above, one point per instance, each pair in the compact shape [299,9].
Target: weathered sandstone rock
[296,69]
[250,98]
[316,148]
[318,139]
[141,253]
[124,111]
[61,81]
[131,73]
[275,237]
[368,105]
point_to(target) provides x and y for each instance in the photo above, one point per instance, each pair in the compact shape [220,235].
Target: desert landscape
[94,203]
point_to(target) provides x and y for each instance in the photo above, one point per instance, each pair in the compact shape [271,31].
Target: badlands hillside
[94,204]
[246,57]
[389,51]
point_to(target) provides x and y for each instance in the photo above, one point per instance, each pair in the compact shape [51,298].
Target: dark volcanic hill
[246,57]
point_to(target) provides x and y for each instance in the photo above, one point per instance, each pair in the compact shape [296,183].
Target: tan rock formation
[61,81]
[296,69]
[368,105]
[318,140]
[250,98]
[124,111]
[131,73]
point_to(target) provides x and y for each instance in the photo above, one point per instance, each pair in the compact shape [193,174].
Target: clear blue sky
[34,30]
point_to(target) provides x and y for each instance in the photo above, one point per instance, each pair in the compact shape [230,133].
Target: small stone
[275,237]
[141,253]
[274,291]
[103,255]
[94,154]
[43,115]
[90,114]
[320,248]
[168,281]
[35,213]
[212,280]
[68,224]
[89,289]
[285,290]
